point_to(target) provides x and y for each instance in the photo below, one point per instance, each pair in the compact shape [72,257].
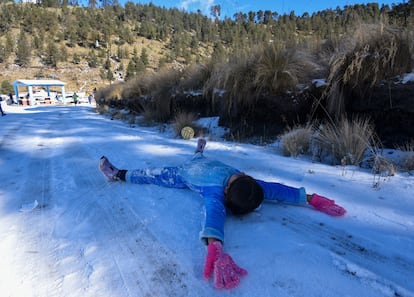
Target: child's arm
[279,192]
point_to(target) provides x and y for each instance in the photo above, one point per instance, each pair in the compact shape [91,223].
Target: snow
[408,77]
[80,235]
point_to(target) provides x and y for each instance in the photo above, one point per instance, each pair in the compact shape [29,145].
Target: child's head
[243,195]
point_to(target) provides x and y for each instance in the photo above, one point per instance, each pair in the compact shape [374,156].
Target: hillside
[80,76]
[90,47]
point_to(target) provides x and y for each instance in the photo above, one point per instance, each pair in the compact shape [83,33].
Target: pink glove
[326,205]
[226,272]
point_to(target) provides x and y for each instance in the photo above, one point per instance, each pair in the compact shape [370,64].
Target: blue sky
[230,7]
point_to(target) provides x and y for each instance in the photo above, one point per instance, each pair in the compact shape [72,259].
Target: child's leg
[166,177]
[201,144]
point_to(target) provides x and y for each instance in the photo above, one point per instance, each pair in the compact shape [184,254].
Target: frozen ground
[88,237]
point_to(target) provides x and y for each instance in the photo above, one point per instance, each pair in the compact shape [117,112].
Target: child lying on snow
[223,188]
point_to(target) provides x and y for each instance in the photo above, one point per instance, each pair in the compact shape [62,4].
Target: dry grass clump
[280,69]
[102,108]
[380,55]
[346,141]
[157,90]
[163,86]
[113,91]
[196,75]
[383,166]
[136,87]
[122,115]
[407,149]
[270,69]
[236,77]
[184,119]
[296,140]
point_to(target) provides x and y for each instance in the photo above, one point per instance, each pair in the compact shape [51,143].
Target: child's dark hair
[243,195]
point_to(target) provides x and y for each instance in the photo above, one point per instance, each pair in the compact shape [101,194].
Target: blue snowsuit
[209,178]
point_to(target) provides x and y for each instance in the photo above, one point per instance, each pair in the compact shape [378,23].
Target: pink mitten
[226,272]
[214,250]
[326,205]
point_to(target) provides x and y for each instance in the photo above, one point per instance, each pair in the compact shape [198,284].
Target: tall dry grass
[156,91]
[184,119]
[111,92]
[236,78]
[196,75]
[280,69]
[407,149]
[346,141]
[380,54]
[137,86]
[263,70]
[296,140]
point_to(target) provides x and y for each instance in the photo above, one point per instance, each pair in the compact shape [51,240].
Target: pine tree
[51,55]
[75,59]
[2,53]
[63,53]
[24,51]
[144,57]
[92,59]
[9,46]
[131,70]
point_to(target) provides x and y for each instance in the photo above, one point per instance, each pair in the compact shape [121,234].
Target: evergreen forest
[258,71]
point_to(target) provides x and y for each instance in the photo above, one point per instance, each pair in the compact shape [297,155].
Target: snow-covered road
[88,237]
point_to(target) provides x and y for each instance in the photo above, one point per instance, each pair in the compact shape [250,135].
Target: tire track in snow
[356,251]
[36,245]
[142,262]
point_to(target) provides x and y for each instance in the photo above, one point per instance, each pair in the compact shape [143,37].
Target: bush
[379,55]
[137,86]
[163,86]
[109,93]
[6,87]
[195,76]
[157,89]
[237,79]
[182,120]
[345,141]
[407,150]
[296,140]
[279,69]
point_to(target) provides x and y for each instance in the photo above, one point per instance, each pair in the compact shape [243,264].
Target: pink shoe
[109,170]
[326,205]
[201,144]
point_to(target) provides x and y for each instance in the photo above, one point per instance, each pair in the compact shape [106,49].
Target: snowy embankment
[88,237]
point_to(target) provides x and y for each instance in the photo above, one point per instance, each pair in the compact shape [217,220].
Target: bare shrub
[345,141]
[148,117]
[378,56]
[102,108]
[182,120]
[213,87]
[163,85]
[280,69]
[296,140]
[196,75]
[407,151]
[383,166]
[110,92]
[137,86]
[237,79]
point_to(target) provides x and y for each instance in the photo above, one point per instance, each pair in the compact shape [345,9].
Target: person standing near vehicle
[1,108]
[75,98]
[90,98]
[11,98]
